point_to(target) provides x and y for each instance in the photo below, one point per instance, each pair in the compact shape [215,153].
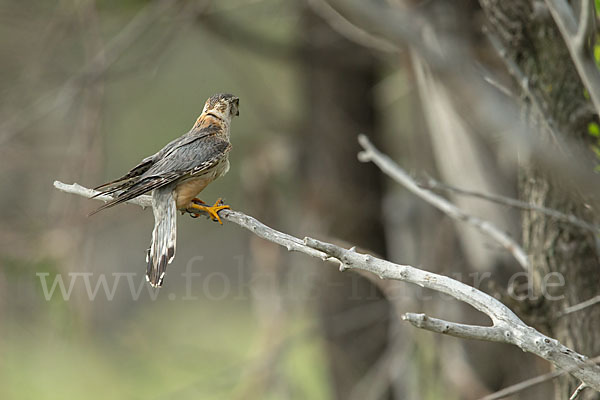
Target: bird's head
[223,106]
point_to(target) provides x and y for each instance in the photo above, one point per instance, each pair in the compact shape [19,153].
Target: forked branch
[506,326]
[578,34]
[393,170]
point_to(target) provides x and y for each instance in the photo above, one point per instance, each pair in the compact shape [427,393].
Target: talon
[196,200]
[212,211]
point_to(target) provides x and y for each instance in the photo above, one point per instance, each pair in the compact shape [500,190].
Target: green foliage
[305,367]
[594,129]
[19,267]
[194,353]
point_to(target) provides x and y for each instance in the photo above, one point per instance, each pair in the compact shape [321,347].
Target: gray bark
[534,43]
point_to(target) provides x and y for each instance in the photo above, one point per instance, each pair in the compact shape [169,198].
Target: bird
[175,175]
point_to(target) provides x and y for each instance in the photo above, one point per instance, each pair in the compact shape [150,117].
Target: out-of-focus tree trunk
[343,196]
[463,158]
[533,42]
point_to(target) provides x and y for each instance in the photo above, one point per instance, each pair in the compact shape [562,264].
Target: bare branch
[580,306]
[519,76]
[393,170]
[244,37]
[507,327]
[526,384]
[576,37]
[386,270]
[502,88]
[510,202]
[350,30]
[587,26]
[577,391]
[521,386]
[512,329]
[291,243]
[99,64]
[563,15]
[489,333]
[443,53]
[142,201]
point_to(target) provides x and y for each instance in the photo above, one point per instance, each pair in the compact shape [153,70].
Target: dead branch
[506,326]
[577,36]
[511,202]
[392,169]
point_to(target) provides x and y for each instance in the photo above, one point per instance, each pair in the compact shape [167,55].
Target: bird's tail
[162,248]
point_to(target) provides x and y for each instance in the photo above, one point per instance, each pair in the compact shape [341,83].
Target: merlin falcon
[175,175]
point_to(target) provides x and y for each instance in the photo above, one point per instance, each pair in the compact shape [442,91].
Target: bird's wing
[132,177]
[117,184]
[183,160]
[193,157]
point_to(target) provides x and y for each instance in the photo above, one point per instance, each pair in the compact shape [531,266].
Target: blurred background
[90,87]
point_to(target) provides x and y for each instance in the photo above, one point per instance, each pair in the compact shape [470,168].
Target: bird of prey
[175,175]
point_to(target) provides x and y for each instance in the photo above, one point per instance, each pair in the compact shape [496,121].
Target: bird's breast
[190,187]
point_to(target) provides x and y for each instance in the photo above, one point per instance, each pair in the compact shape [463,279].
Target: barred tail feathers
[162,248]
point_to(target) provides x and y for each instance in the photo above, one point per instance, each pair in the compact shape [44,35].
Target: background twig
[393,170]
[510,202]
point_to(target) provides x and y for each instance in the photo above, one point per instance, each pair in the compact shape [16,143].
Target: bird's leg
[210,210]
[196,200]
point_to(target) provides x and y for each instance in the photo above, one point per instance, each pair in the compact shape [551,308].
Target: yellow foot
[196,200]
[212,211]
